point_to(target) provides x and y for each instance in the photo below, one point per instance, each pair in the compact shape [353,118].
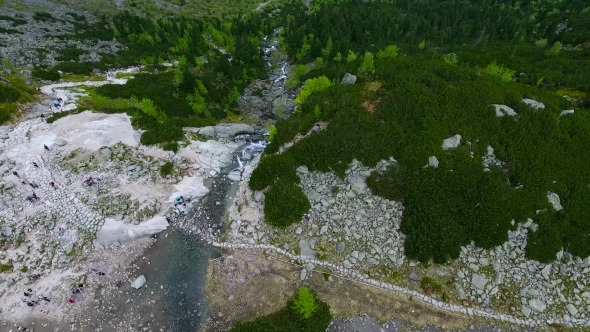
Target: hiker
[30,304]
[45,146]
[23,181]
[52,185]
[46,298]
[75,291]
[61,231]
[188,199]
[35,164]
[101,273]
[81,286]
[30,290]
[71,300]
[27,294]
[43,115]
[35,196]
[22,328]
[16,174]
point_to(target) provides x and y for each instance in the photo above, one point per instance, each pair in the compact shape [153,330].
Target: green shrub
[81,68]
[289,319]
[166,169]
[304,303]
[429,285]
[505,74]
[58,116]
[285,204]
[49,75]
[311,86]
[43,16]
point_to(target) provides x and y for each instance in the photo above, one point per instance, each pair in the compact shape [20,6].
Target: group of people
[90,182]
[33,198]
[56,103]
[180,203]
[30,302]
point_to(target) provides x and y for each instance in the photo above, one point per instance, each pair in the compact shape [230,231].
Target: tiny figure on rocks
[22,328]
[75,291]
[184,204]
[29,290]
[188,199]
[27,294]
[23,299]
[23,181]
[42,115]
[71,300]
[101,273]
[46,298]
[35,164]
[30,304]
[52,185]
[35,196]
[61,231]
[16,174]
[45,146]
[80,286]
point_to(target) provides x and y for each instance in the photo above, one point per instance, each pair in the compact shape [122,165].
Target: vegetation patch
[166,169]
[285,204]
[305,313]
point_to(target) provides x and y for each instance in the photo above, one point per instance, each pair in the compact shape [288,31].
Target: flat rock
[340,247]
[414,276]
[305,249]
[24,249]
[68,248]
[537,305]
[60,142]
[208,132]
[234,176]
[478,281]
[451,142]
[7,231]
[139,282]
[571,309]
[303,274]
[357,184]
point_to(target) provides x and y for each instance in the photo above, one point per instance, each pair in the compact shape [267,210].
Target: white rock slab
[502,110]
[533,103]
[139,282]
[554,201]
[451,142]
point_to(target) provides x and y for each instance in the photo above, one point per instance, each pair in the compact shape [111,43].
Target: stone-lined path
[358,277]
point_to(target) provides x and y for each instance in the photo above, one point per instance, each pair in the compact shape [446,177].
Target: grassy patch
[82,78]
[166,169]
[43,17]
[6,268]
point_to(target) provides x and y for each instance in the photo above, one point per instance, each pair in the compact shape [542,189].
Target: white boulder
[502,110]
[137,283]
[554,201]
[451,142]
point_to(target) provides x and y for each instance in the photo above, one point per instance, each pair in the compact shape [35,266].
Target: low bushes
[291,318]
[49,75]
[81,68]
[285,204]
[417,104]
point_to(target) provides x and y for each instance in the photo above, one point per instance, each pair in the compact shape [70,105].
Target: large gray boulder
[533,103]
[348,79]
